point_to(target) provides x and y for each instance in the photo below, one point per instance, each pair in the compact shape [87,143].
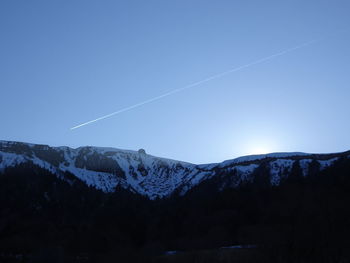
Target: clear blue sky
[66,62]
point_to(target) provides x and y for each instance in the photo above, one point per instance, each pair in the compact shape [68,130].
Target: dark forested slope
[44,217]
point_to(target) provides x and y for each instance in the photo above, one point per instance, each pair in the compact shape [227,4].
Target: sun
[260,150]
[256,145]
[260,147]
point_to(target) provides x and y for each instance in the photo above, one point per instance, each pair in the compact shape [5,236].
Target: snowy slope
[154,177]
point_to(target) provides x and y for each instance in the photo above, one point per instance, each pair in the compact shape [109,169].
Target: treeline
[46,219]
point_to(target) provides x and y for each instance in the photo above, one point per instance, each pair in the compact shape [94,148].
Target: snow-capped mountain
[154,177]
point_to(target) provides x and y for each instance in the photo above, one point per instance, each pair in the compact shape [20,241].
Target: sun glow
[259,151]
[250,143]
[260,146]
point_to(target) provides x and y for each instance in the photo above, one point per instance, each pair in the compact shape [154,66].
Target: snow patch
[10,160]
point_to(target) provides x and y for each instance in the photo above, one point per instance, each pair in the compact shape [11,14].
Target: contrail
[219,75]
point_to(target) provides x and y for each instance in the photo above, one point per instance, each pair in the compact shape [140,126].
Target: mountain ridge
[107,168]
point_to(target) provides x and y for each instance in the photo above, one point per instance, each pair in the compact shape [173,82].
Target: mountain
[94,204]
[107,169]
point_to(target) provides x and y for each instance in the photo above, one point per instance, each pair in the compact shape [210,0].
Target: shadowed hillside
[44,218]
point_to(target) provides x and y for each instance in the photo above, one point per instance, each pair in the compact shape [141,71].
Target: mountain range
[108,169]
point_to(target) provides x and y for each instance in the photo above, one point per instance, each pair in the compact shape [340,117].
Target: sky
[63,63]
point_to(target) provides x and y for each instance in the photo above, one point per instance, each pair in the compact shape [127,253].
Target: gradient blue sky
[66,62]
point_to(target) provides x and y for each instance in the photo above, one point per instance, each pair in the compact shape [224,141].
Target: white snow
[10,160]
[250,158]
[103,181]
[278,169]
[157,177]
[326,163]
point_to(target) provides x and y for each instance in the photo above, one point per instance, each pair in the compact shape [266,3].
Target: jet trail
[219,75]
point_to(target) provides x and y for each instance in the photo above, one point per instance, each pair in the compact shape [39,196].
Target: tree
[296,174]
